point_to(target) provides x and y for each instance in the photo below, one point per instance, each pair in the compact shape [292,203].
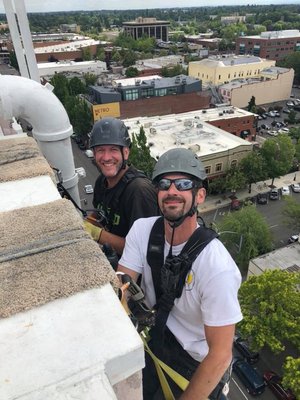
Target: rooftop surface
[187,130]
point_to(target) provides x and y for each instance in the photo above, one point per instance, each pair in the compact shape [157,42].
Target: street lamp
[239,246]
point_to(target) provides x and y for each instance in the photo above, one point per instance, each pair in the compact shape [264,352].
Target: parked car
[88,189]
[253,382]
[293,238]
[286,111]
[273,133]
[283,130]
[265,126]
[296,187]
[285,191]
[262,198]
[274,194]
[89,153]
[273,381]
[290,103]
[235,204]
[243,348]
[81,146]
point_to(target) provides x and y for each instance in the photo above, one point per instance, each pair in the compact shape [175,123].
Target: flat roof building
[273,45]
[217,70]
[150,27]
[218,150]
[273,84]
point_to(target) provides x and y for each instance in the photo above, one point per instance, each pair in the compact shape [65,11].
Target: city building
[70,28]
[232,19]
[151,96]
[218,150]
[153,66]
[47,70]
[66,51]
[273,45]
[285,258]
[274,84]
[204,42]
[150,27]
[217,70]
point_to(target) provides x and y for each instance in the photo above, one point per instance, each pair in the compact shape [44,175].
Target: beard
[172,212]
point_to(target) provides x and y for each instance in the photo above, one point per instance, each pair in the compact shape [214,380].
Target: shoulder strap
[155,252]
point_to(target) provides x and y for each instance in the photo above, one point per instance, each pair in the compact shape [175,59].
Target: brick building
[270,45]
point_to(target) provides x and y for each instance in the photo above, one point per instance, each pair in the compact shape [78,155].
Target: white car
[88,189]
[273,133]
[284,130]
[293,239]
[285,191]
[89,153]
[296,187]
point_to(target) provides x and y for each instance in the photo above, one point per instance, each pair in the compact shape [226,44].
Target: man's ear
[200,196]
[126,153]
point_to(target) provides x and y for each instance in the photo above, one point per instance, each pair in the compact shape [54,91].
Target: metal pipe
[24,98]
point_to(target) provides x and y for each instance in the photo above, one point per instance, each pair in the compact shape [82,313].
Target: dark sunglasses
[181,184]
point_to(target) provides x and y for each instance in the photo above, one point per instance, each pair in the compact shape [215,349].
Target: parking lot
[271,123]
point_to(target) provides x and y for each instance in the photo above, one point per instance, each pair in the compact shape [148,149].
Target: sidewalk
[213,202]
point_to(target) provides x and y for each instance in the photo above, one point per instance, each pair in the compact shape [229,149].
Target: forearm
[206,377]
[116,242]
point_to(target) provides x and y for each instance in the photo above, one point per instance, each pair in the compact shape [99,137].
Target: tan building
[217,70]
[274,84]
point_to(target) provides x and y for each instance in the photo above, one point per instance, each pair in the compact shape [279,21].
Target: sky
[73,5]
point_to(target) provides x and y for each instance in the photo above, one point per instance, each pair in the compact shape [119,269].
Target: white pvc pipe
[25,98]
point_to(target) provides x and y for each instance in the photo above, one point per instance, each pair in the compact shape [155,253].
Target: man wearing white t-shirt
[196,337]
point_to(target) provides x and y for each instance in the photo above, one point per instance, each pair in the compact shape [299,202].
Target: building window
[147,92]
[131,94]
[219,77]
[233,164]
[219,167]
[208,170]
[160,92]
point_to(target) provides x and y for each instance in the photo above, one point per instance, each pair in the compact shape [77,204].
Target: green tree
[76,86]
[270,304]
[291,375]
[251,105]
[90,79]
[278,154]
[292,117]
[100,54]
[294,133]
[116,57]
[131,72]
[251,226]
[86,54]
[61,86]
[129,58]
[292,61]
[13,60]
[140,155]
[235,179]
[291,212]
[252,166]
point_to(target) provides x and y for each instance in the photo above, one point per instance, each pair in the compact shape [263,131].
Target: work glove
[93,230]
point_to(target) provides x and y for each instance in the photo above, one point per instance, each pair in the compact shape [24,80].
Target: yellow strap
[161,367]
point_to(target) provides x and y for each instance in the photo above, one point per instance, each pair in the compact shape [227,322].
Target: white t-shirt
[210,293]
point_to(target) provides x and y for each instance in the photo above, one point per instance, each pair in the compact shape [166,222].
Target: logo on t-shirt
[189,280]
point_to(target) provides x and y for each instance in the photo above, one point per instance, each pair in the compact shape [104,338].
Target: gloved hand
[93,230]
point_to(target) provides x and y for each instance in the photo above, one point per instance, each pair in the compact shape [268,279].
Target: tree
[129,58]
[76,86]
[249,225]
[252,166]
[270,304]
[90,79]
[291,375]
[278,154]
[235,179]
[61,86]
[251,105]
[140,155]
[292,61]
[13,60]
[291,212]
[131,72]
[292,117]
[86,54]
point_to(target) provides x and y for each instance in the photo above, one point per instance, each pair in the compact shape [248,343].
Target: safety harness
[131,174]
[169,276]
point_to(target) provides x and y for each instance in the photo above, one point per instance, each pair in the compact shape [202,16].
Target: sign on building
[106,110]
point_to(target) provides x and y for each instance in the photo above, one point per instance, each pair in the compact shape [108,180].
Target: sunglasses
[181,184]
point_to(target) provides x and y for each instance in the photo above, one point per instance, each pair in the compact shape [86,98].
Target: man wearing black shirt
[122,193]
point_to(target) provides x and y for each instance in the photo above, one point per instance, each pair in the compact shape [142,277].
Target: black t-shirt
[138,199]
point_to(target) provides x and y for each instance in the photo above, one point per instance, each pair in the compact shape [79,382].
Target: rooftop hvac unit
[203,111]
[199,125]
[138,82]
[195,148]
[153,131]
[184,81]
[152,83]
[188,122]
[220,114]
